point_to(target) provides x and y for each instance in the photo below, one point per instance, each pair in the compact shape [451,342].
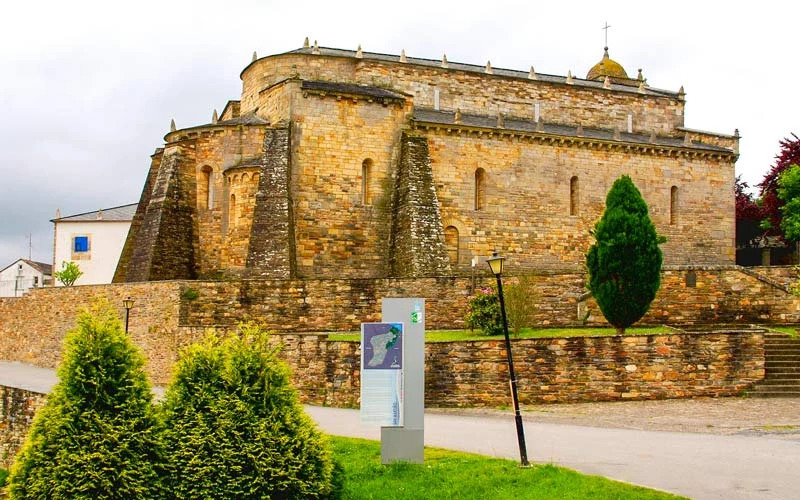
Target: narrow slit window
[451,243]
[480,189]
[673,205]
[573,196]
[366,178]
[232,212]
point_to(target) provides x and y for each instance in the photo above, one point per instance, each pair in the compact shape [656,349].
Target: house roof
[43,268]
[114,214]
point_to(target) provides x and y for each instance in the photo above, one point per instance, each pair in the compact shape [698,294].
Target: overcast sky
[88,88]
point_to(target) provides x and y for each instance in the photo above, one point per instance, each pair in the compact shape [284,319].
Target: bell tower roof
[606,67]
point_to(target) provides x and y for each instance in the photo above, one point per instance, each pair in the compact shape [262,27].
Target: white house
[93,240]
[22,275]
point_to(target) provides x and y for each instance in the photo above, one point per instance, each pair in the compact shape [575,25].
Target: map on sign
[382,374]
[383,346]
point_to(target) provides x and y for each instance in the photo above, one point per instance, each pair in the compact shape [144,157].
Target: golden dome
[606,67]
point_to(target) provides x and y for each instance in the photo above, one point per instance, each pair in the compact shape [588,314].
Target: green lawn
[525,333]
[462,476]
[789,330]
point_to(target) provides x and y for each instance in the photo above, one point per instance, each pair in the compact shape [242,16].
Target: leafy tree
[770,201]
[625,261]
[69,274]
[789,194]
[748,214]
[484,312]
[96,436]
[521,297]
[234,427]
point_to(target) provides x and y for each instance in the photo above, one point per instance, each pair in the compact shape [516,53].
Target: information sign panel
[382,374]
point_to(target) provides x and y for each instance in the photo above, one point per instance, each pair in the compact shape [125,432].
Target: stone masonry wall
[475,374]
[121,273]
[417,238]
[168,315]
[474,92]
[271,250]
[32,328]
[527,199]
[16,415]
[164,244]
[337,232]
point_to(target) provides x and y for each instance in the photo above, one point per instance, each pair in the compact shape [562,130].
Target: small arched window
[207,188]
[573,196]
[673,205]
[366,178]
[232,212]
[451,242]
[480,189]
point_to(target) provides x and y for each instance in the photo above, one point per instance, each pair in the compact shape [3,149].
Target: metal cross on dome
[606,30]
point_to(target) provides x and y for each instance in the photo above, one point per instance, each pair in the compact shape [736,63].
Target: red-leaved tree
[748,214]
[770,203]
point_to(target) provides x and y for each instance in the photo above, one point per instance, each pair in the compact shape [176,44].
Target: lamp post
[128,303]
[496,265]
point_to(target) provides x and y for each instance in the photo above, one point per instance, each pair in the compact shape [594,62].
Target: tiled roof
[515,124]
[475,68]
[40,266]
[43,268]
[351,89]
[121,213]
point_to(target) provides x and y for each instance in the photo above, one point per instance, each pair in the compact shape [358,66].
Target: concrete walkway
[699,466]
[696,465]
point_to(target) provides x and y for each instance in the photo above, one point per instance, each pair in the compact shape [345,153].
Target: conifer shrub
[484,312]
[96,436]
[625,262]
[234,426]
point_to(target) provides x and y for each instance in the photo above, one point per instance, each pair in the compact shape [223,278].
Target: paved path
[699,466]
[754,454]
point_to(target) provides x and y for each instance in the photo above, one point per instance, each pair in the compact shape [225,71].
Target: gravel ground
[777,417]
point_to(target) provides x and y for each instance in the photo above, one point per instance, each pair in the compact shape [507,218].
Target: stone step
[784,357]
[794,382]
[777,388]
[783,352]
[775,394]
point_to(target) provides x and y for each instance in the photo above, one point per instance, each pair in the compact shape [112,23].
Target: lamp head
[128,303]
[496,264]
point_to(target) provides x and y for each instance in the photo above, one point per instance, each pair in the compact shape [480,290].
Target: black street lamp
[496,265]
[128,303]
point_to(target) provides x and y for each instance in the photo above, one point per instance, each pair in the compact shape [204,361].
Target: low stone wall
[475,373]
[170,314]
[18,409]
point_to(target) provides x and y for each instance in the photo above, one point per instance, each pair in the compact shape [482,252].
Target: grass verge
[525,333]
[463,476]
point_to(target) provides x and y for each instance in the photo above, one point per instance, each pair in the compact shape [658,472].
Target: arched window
[451,242]
[366,177]
[573,196]
[480,189]
[673,204]
[206,191]
[232,212]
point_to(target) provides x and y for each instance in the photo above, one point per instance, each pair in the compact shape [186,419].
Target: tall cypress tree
[95,437]
[625,261]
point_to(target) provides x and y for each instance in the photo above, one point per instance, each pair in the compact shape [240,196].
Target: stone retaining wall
[168,315]
[18,408]
[475,373]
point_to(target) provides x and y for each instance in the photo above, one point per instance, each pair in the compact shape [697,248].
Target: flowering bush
[484,312]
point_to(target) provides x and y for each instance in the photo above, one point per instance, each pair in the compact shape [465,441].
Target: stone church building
[349,164]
